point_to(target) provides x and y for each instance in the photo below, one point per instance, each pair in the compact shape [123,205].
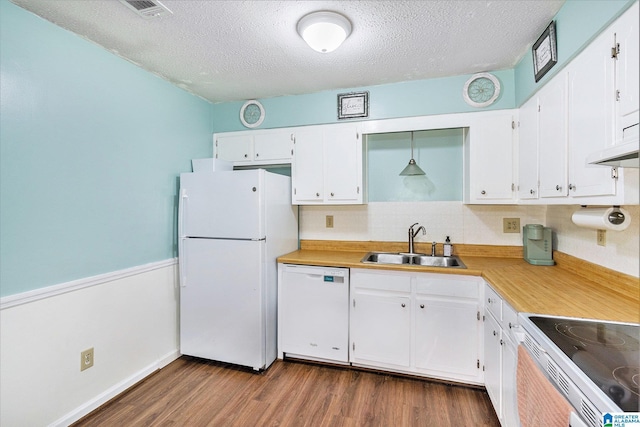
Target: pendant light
[324,31]
[412,168]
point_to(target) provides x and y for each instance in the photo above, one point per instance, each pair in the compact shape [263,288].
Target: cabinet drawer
[509,317]
[447,286]
[493,302]
[381,281]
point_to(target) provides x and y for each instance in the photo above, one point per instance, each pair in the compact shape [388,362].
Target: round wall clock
[481,90]
[252,114]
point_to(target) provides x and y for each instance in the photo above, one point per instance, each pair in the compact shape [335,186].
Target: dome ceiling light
[324,31]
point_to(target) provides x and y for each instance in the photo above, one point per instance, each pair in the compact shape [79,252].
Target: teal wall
[577,23]
[415,98]
[90,150]
[437,152]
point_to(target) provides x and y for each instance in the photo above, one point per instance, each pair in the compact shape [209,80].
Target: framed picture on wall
[353,105]
[545,52]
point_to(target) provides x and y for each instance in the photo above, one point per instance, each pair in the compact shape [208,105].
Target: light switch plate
[329,221]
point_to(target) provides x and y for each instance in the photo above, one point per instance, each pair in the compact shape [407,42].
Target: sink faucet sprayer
[413,234]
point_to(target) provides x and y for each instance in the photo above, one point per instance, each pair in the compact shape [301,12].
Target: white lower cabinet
[419,323]
[492,356]
[381,328]
[500,357]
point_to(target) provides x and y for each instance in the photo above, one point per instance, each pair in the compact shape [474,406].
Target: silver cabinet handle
[501,342]
[572,187]
[495,333]
[403,304]
[421,305]
[558,187]
[257,154]
[483,192]
[331,194]
[317,194]
[531,191]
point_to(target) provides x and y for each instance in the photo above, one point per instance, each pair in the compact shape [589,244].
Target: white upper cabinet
[257,147]
[582,110]
[627,48]
[528,151]
[552,138]
[489,153]
[591,116]
[327,165]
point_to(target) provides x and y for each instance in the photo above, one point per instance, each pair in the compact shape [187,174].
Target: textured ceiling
[236,50]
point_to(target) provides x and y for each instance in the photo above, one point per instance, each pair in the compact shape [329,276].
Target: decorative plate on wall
[481,90]
[252,114]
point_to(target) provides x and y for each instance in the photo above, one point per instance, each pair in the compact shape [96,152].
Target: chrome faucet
[413,234]
[433,249]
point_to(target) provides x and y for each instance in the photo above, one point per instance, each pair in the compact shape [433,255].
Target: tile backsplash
[472,224]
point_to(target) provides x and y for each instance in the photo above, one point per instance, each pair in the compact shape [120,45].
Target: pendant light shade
[324,31]
[412,168]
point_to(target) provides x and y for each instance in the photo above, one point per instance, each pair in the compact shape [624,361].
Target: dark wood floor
[194,392]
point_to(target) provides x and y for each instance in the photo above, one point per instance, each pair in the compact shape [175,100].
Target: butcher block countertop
[573,287]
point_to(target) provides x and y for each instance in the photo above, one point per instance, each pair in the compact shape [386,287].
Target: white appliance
[313,313]
[593,363]
[232,227]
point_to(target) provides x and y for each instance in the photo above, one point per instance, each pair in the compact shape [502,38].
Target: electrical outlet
[329,221]
[602,237]
[86,359]
[510,225]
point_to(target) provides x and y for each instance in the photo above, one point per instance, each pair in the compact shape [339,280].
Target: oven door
[546,396]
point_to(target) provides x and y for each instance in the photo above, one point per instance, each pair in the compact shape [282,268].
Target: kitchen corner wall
[473,224]
[91,147]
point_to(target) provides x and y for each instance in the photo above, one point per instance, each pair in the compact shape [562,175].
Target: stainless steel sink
[439,261]
[412,259]
[387,258]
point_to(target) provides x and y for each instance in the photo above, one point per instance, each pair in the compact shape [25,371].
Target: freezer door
[222,205]
[222,304]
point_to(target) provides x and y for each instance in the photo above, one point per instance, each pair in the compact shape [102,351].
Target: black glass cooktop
[608,353]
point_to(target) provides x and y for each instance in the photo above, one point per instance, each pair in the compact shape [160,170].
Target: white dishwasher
[313,313]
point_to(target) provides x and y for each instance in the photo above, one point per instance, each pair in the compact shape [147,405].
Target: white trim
[114,391]
[74,285]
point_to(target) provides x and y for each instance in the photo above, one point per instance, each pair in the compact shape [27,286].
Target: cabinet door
[492,362]
[307,167]
[380,328]
[272,146]
[342,164]
[626,30]
[552,138]
[591,116]
[446,337]
[234,148]
[509,394]
[491,159]
[528,151]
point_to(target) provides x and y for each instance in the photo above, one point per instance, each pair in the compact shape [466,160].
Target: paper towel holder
[615,217]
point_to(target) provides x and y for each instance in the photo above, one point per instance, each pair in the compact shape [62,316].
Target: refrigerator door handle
[182,239]
[181,262]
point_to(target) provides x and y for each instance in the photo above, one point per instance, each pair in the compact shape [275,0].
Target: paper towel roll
[598,218]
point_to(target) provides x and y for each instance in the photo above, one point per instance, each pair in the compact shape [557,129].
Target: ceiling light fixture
[412,168]
[324,31]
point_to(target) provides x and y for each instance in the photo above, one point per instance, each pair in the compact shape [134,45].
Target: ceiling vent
[147,8]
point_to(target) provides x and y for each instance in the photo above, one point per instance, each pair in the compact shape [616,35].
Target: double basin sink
[401,258]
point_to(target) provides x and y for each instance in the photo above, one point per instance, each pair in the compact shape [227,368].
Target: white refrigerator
[232,226]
